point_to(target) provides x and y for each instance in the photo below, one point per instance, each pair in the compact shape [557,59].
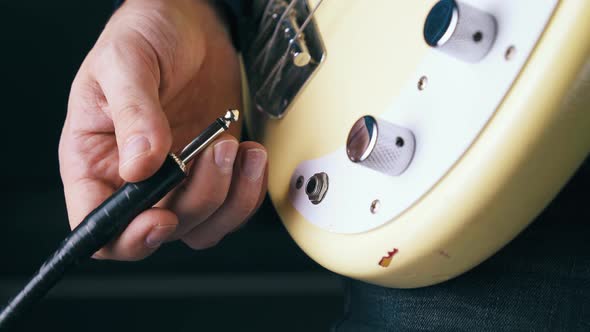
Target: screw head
[422,82]
[510,52]
[299,182]
[375,205]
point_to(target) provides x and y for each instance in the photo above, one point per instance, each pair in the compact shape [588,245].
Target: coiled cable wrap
[96,230]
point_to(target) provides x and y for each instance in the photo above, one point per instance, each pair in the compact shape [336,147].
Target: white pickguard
[446,118]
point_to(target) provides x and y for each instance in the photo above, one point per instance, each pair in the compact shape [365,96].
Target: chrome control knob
[460,30]
[380,145]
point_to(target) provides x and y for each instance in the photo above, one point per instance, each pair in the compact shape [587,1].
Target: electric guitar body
[410,140]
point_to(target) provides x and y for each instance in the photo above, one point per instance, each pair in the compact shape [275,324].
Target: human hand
[160,72]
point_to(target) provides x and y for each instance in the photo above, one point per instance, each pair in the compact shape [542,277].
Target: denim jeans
[538,282]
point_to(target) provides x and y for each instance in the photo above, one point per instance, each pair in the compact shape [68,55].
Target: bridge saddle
[286,50]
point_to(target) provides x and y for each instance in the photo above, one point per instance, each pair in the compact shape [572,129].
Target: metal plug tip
[218,126]
[232,115]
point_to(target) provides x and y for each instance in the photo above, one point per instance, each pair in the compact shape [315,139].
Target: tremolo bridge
[285,52]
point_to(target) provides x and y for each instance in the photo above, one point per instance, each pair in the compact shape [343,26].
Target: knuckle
[129,55]
[128,116]
[105,54]
[131,109]
[212,201]
[156,31]
[245,206]
[118,51]
[209,201]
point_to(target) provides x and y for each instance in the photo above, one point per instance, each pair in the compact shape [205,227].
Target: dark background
[255,280]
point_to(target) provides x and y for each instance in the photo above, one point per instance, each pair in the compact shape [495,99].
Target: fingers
[117,89]
[208,184]
[245,195]
[128,74]
[116,129]
[142,237]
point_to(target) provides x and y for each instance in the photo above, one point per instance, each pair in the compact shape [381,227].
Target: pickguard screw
[510,52]
[375,206]
[299,182]
[422,82]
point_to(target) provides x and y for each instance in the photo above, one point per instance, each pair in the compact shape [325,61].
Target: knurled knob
[460,30]
[380,145]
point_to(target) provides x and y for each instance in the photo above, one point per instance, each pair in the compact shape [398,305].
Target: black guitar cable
[110,218]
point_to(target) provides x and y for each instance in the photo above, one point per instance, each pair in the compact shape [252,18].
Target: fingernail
[253,163]
[97,256]
[134,147]
[158,235]
[224,153]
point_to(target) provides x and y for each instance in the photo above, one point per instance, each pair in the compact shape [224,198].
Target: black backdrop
[257,279]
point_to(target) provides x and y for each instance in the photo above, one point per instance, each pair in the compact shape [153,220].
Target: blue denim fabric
[539,282]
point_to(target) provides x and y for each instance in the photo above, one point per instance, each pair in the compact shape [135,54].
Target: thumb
[131,88]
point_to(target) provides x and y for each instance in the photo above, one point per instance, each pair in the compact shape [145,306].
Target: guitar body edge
[525,154]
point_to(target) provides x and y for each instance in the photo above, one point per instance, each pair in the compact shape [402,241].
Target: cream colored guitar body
[496,138]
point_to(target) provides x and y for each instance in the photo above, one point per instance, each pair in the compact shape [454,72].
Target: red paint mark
[386,260]
[444,253]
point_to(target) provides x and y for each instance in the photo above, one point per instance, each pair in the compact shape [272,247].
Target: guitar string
[279,66]
[265,17]
[264,24]
[266,50]
[264,55]
[307,20]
